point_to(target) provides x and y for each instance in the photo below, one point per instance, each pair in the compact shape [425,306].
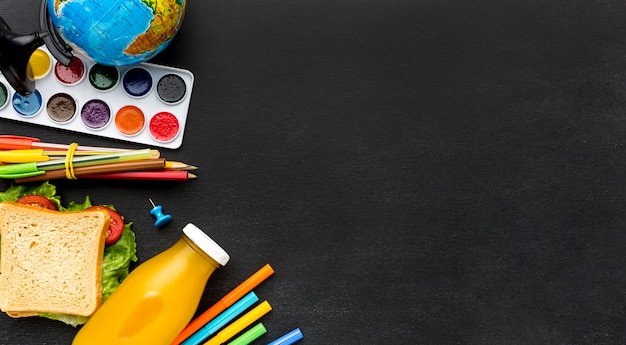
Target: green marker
[251,335]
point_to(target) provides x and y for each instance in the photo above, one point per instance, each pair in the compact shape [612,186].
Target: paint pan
[95,114]
[144,103]
[4,95]
[27,106]
[171,88]
[103,78]
[137,82]
[72,74]
[164,127]
[61,107]
[130,120]
[39,64]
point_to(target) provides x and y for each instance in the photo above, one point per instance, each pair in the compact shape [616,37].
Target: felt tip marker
[17,142]
[288,338]
[251,335]
[23,156]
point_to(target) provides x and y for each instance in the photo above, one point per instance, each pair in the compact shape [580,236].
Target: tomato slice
[38,201]
[116,225]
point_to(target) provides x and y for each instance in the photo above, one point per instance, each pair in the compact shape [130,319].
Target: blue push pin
[161,219]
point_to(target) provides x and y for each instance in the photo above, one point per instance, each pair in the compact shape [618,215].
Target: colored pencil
[236,294]
[162,175]
[173,165]
[57,153]
[138,165]
[52,146]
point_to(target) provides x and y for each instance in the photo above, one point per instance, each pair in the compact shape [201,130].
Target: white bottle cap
[205,243]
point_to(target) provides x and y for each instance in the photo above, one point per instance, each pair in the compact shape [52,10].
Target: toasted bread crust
[51,261]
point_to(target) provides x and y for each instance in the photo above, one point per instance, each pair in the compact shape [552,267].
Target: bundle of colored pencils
[26,159]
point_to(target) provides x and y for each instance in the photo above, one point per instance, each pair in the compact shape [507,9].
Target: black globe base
[16,50]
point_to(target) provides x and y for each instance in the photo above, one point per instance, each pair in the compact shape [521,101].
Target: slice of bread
[50,261]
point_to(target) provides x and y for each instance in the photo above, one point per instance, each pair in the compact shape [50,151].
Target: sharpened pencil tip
[173,165]
[191,176]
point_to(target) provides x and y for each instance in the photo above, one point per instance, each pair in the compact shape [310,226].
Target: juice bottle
[159,297]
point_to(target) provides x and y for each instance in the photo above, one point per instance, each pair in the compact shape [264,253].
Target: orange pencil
[224,303]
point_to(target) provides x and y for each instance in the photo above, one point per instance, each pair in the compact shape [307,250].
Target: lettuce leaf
[117,257]
[46,189]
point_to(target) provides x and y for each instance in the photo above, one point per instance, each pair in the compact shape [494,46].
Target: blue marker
[288,338]
[222,319]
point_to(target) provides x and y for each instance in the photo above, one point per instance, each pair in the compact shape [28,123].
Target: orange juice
[159,298]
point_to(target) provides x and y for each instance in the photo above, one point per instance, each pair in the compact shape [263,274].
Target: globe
[117,32]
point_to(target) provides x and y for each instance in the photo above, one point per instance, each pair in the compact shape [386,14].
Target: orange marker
[224,303]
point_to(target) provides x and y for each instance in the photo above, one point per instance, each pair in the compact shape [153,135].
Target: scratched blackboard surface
[415,171]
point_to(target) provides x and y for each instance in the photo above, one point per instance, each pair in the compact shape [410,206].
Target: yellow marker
[240,324]
[39,155]
[22,156]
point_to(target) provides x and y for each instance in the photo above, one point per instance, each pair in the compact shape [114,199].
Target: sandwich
[51,260]
[58,263]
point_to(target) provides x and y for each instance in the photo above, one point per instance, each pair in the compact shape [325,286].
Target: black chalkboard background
[416,172]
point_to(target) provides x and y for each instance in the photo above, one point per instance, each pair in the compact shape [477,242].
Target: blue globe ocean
[117,32]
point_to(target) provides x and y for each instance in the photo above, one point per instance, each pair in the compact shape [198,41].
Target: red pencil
[163,175]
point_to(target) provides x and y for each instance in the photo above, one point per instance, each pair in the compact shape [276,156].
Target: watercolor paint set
[144,103]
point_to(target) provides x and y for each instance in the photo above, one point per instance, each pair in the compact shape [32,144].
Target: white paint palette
[144,103]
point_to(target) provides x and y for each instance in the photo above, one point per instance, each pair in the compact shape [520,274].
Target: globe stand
[16,50]
[61,51]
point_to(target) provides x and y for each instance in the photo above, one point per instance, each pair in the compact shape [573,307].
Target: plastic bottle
[159,297]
